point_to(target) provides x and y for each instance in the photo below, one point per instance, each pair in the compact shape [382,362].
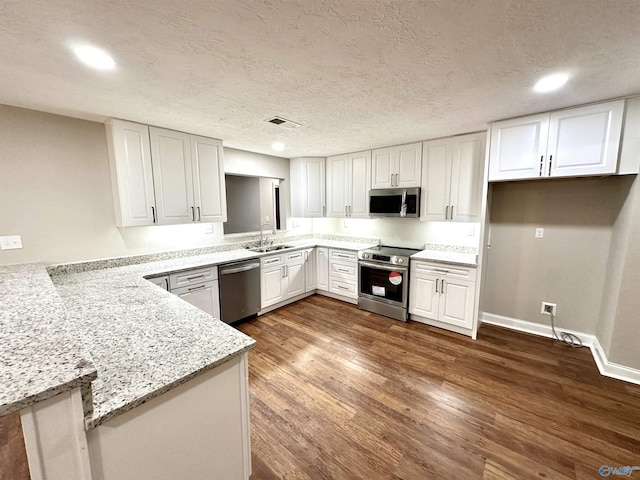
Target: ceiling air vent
[283,122]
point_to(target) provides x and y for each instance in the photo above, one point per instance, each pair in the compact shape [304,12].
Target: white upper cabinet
[209,191]
[188,176]
[573,142]
[131,173]
[398,166]
[452,178]
[173,179]
[163,177]
[348,180]
[308,187]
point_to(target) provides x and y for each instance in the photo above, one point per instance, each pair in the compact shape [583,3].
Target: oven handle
[383,267]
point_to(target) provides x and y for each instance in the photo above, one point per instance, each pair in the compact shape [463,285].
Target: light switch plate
[10,242]
[539,232]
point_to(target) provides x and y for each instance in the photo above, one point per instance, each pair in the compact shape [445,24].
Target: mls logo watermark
[626,471]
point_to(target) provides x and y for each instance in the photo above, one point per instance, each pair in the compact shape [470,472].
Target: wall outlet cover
[539,232]
[209,228]
[10,242]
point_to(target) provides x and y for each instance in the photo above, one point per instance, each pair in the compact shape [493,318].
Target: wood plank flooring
[13,455]
[338,393]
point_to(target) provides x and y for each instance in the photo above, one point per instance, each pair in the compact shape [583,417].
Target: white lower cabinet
[343,273]
[199,287]
[283,277]
[310,269]
[322,268]
[442,293]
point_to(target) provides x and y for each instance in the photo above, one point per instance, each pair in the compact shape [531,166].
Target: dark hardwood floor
[13,455]
[341,393]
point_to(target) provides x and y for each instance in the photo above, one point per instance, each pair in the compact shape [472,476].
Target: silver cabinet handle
[345,211]
[200,287]
[153,214]
[166,281]
[451,212]
[541,159]
[193,214]
[306,256]
[442,286]
[286,270]
[324,210]
[282,268]
[550,162]
[441,270]
[267,262]
[446,212]
[199,217]
[437,284]
[197,276]
[342,287]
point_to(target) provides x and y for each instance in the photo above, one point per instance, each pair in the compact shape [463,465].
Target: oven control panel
[393,260]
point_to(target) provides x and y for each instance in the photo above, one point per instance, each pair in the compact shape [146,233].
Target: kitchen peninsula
[141,383]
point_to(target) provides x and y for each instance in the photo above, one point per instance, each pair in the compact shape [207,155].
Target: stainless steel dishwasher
[239,290]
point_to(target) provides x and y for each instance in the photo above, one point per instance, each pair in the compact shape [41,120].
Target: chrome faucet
[262,241]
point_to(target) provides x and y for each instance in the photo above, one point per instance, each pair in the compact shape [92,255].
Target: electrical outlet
[548,308]
[208,228]
[539,232]
[10,242]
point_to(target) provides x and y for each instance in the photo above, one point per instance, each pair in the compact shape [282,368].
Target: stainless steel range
[383,280]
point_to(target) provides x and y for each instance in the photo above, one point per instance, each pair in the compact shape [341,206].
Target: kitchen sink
[271,248]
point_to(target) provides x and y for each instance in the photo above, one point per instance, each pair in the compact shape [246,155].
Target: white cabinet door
[295,277]
[465,196]
[423,299]
[310,270]
[205,297]
[584,141]
[436,180]
[452,178]
[359,182]
[172,176]
[456,302]
[162,282]
[272,285]
[408,165]
[398,166]
[322,268]
[210,199]
[308,187]
[383,166]
[518,147]
[337,185]
[131,173]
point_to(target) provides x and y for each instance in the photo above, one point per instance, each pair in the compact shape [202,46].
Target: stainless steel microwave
[394,202]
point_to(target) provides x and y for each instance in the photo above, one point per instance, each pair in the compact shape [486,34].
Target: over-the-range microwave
[394,202]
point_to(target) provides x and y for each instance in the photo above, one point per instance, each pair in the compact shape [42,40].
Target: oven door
[383,283]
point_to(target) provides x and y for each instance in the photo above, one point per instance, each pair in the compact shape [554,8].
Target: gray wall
[569,265]
[243,204]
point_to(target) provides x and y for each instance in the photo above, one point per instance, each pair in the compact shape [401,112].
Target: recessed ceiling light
[277,146]
[551,82]
[94,57]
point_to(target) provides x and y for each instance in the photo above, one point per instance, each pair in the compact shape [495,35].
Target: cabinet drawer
[294,257]
[271,261]
[343,287]
[443,270]
[343,256]
[343,270]
[192,277]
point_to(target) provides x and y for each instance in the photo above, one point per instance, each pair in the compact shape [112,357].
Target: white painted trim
[326,293]
[31,443]
[606,368]
[446,326]
[284,302]
[246,422]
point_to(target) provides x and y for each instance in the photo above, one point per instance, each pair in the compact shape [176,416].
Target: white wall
[55,191]
[402,232]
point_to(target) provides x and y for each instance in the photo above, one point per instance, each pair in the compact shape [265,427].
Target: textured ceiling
[355,73]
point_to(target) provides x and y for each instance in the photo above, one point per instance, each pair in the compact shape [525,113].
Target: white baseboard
[606,368]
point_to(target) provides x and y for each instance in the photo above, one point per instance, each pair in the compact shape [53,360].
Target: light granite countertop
[41,352]
[453,255]
[143,341]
